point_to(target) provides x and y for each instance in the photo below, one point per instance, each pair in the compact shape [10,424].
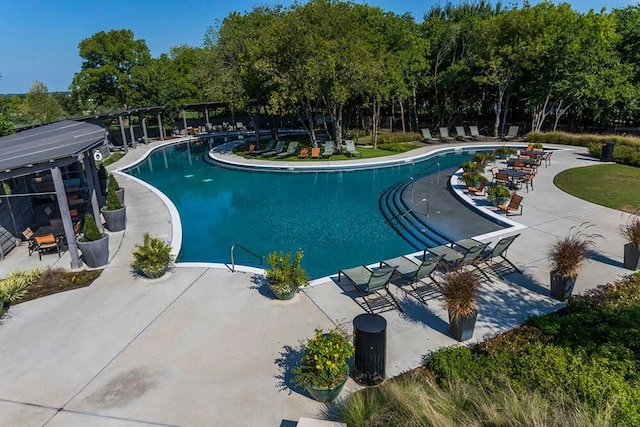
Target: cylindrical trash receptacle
[370,341]
[607,151]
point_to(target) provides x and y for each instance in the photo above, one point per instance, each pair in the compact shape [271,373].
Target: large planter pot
[282,295]
[153,272]
[562,286]
[95,253]
[120,195]
[115,220]
[631,257]
[461,328]
[323,394]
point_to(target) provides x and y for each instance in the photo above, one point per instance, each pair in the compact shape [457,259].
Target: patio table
[527,161]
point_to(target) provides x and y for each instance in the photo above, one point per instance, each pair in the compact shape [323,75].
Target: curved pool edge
[176,239]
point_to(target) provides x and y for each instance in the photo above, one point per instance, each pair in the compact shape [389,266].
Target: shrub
[397,147]
[112,183]
[471,177]
[152,258]
[90,231]
[113,203]
[396,137]
[569,253]
[324,362]
[102,172]
[285,275]
[498,191]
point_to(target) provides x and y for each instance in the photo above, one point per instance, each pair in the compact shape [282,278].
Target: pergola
[49,148]
[201,106]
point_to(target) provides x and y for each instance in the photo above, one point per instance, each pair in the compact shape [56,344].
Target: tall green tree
[40,106]
[110,62]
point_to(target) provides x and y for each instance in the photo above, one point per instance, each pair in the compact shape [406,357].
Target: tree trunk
[496,124]
[404,129]
[375,122]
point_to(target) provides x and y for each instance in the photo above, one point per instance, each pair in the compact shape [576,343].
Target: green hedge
[397,147]
[626,151]
[396,137]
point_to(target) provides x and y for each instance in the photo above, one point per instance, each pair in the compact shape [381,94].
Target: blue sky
[39,38]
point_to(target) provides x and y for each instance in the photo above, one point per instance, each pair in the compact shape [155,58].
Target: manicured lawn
[365,153]
[114,157]
[612,185]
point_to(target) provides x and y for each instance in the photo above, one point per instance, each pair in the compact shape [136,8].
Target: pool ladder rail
[249,251]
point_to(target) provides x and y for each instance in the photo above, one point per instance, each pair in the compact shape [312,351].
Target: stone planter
[461,328]
[631,257]
[95,253]
[115,220]
[120,195]
[323,394]
[562,286]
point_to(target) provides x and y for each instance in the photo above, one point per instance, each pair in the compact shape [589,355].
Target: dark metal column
[124,135]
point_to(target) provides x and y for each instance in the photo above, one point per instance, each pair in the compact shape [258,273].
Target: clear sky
[39,38]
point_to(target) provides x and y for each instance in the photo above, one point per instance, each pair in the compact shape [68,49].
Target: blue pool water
[332,216]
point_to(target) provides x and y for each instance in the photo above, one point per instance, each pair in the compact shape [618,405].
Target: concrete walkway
[203,346]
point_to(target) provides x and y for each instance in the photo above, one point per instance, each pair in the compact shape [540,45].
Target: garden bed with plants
[576,367]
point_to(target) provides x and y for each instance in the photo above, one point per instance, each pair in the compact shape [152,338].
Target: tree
[41,106]
[110,61]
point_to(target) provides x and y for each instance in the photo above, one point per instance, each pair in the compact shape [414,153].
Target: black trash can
[370,341]
[607,151]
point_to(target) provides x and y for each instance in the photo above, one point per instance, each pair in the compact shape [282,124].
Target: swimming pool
[333,217]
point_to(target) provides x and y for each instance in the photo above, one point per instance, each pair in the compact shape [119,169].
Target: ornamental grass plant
[631,229]
[15,285]
[459,289]
[324,362]
[568,254]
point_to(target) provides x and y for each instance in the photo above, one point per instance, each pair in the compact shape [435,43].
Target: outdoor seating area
[419,276]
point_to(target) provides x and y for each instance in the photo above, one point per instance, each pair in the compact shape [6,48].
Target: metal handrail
[249,251]
[429,167]
[410,209]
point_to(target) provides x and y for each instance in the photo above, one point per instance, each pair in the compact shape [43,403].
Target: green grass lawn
[612,185]
[365,153]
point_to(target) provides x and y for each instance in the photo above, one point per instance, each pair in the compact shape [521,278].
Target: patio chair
[461,135]
[414,274]
[274,152]
[291,150]
[499,250]
[29,238]
[304,153]
[501,179]
[46,243]
[513,206]
[315,153]
[329,146]
[475,134]
[527,181]
[252,147]
[512,134]
[351,148]
[547,158]
[369,282]
[269,147]
[426,136]
[480,189]
[444,135]
[457,259]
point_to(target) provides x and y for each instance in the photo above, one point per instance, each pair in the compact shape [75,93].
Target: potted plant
[498,195]
[503,152]
[113,184]
[470,166]
[323,370]
[93,244]
[484,157]
[285,274]
[631,231]
[567,256]
[471,178]
[153,258]
[115,215]
[459,289]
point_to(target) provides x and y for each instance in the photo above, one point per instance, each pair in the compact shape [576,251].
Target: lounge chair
[513,206]
[512,134]
[351,148]
[426,136]
[444,135]
[369,282]
[46,243]
[499,250]
[328,149]
[269,147]
[315,153]
[304,153]
[461,135]
[457,259]
[274,152]
[479,190]
[291,150]
[475,134]
[415,273]
[252,147]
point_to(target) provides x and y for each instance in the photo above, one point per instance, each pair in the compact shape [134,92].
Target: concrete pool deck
[205,346]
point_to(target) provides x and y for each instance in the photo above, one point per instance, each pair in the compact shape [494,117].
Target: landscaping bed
[54,280]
